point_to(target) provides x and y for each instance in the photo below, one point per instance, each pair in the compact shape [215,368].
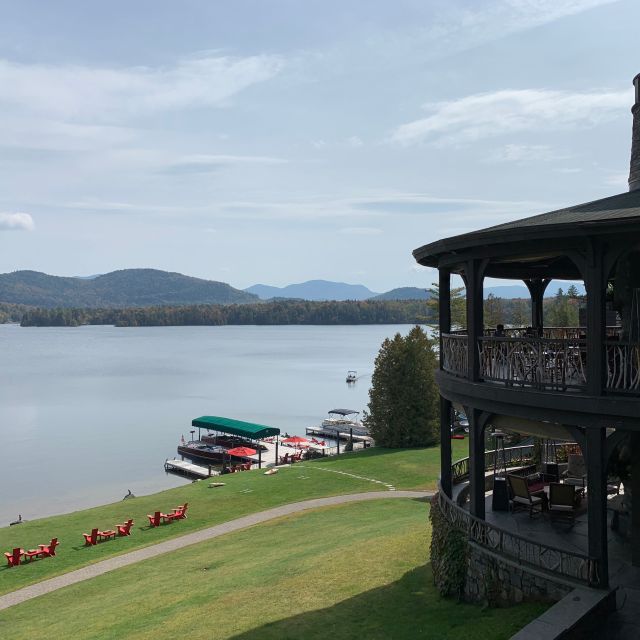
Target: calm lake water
[87,413]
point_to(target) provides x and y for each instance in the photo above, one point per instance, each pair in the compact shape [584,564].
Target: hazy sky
[276,141]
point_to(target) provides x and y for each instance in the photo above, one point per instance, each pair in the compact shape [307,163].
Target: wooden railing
[551,363]
[623,366]
[543,363]
[523,550]
[455,354]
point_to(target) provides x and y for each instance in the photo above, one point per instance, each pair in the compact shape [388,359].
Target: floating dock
[189,469]
[336,432]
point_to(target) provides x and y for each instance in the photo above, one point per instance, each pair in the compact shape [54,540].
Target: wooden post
[596,320]
[635,500]
[444,305]
[259,458]
[476,463]
[338,440]
[537,287]
[597,502]
[445,446]
[475,314]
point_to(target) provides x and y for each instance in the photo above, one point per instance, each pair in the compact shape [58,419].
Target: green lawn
[354,571]
[244,493]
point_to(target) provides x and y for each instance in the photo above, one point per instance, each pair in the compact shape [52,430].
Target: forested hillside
[125,288]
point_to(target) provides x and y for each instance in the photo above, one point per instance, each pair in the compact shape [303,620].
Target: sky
[282,141]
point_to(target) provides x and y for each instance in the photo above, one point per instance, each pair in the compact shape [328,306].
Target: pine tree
[404,406]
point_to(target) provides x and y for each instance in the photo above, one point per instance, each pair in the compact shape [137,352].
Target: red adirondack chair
[48,550]
[43,551]
[91,538]
[180,513]
[124,529]
[13,558]
[154,520]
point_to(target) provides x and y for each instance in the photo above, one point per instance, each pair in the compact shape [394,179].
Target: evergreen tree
[562,312]
[404,407]
[493,311]
[458,305]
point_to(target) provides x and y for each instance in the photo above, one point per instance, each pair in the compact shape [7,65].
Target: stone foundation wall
[499,582]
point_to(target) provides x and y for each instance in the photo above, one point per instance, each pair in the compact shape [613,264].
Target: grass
[244,493]
[354,571]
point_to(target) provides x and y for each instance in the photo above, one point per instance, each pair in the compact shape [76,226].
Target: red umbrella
[241,452]
[295,440]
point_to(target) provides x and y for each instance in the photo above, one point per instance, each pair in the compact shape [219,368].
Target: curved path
[97,569]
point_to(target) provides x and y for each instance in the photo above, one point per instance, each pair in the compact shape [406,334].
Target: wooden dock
[189,469]
[336,433]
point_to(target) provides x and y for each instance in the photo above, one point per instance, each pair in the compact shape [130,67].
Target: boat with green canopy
[221,435]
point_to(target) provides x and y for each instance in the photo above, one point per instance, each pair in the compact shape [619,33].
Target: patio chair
[576,473]
[562,501]
[521,497]
[13,558]
[91,538]
[125,528]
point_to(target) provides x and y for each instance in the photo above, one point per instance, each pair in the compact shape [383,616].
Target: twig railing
[526,552]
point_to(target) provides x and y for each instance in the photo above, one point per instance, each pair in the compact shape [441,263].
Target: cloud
[511,110]
[361,231]
[523,153]
[77,92]
[16,222]
[204,163]
[617,180]
[354,142]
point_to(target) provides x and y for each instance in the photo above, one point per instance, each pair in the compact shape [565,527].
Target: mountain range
[314,290]
[152,287]
[125,288]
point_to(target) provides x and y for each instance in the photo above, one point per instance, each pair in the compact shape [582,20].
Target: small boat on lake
[352,376]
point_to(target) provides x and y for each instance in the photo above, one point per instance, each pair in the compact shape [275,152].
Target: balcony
[556,361]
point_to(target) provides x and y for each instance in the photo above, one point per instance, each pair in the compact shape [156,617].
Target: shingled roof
[603,215]
[622,206]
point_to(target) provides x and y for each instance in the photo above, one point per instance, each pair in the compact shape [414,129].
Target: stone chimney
[634,169]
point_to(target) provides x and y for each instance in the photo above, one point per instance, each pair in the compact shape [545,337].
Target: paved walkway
[97,569]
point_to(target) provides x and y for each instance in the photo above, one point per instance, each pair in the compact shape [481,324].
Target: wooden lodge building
[577,387]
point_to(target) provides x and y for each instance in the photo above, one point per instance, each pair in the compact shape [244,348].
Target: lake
[87,413]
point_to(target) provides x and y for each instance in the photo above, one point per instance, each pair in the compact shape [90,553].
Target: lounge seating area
[179,513]
[98,536]
[15,557]
[18,555]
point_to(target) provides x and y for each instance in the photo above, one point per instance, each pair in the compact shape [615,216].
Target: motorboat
[344,420]
[199,450]
[352,376]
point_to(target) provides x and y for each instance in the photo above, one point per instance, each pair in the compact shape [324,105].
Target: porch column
[474,277]
[444,305]
[595,282]
[635,499]
[537,287]
[476,462]
[597,502]
[445,446]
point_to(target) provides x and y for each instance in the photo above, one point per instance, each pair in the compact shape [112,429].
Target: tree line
[559,311]
[284,312]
